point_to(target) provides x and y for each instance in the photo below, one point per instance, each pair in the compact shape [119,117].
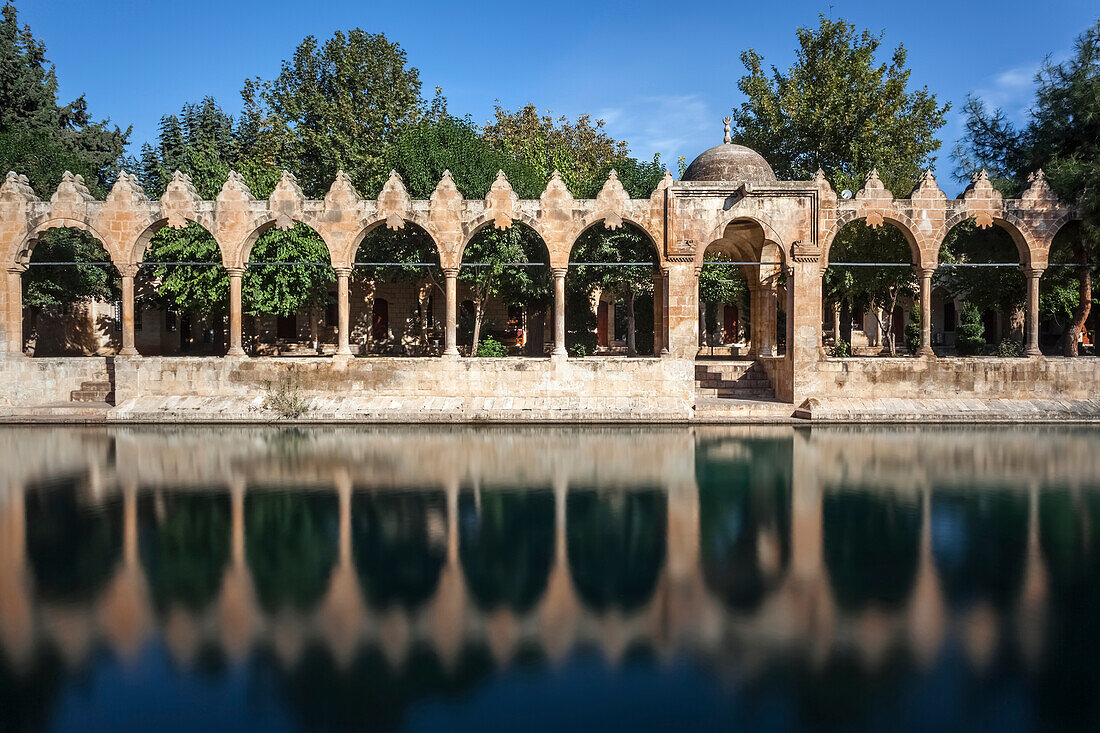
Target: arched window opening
[285,290]
[71,296]
[871,274]
[614,293]
[980,268]
[505,276]
[182,294]
[397,294]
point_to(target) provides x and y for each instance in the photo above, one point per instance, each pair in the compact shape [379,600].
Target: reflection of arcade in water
[339,557]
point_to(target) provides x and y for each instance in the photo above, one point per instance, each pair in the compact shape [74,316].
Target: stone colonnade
[799,221]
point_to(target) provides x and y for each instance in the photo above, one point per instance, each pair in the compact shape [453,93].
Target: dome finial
[727,138]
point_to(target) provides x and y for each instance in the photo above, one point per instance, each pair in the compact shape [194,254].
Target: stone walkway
[574,410]
[958,410]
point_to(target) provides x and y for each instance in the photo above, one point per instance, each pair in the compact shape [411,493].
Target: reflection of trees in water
[400,545]
[184,546]
[616,544]
[290,542]
[745,520]
[28,696]
[74,549]
[979,541]
[370,694]
[1069,526]
[871,547]
[507,545]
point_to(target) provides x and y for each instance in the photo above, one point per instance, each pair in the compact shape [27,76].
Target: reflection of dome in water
[730,162]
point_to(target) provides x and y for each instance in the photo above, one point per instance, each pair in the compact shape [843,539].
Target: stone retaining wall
[977,378]
[604,388]
[40,381]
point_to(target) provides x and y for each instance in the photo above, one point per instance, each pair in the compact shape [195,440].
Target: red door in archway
[380,324]
[601,323]
[729,324]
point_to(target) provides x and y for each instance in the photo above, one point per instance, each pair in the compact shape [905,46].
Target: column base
[131,351]
[237,351]
[343,351]
[1032,352]
[925,351]
[451,354]
[558,356]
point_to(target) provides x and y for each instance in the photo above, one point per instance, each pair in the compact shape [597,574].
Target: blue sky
[661,73]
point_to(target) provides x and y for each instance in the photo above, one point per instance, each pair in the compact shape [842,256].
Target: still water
[551,578]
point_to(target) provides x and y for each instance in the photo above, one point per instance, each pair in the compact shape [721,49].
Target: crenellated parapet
[927,215]
[127,220]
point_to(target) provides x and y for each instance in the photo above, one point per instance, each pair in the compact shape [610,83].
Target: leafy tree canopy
[840,110]
[1061,136]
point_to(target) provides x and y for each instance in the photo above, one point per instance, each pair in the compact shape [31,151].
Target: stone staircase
[732,380]
[99,392]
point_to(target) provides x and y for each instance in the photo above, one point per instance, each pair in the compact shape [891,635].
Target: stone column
[658,312]
[683,310]
[664,312]
[128,273]
[235,342]
[1032,337]
[768,319]
[13,310]
[804,320]
[925,312]
[451,291]
[343,307]
[559,312]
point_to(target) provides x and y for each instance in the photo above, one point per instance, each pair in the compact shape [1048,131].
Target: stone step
[90,395]
[96,385]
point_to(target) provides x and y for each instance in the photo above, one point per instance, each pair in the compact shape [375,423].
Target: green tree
[1061,136]
[42,139]
[334,106]
[39,137]
[970,340]
[840,110]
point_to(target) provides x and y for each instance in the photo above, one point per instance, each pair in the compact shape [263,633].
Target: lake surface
[541,579]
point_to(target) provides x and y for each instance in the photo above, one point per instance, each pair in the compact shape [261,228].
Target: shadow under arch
[979,543]
[184,539]
[506,544]
[994,291]
[744,518]
[290,545]
[616,543]
[60,316]
[399,544]
[604,269]
[506,274]
[727,291]
[871,545]
[74,549]
[374,286]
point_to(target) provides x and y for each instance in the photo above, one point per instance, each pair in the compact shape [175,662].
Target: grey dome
[730,162]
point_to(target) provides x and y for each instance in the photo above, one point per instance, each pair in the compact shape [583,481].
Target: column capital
[128,270]
[235,271]
[450,272]
[559,271]
[925,271]
[1033,272]
[342,271]
[17,268]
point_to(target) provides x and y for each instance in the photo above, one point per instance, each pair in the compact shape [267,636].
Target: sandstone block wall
[47,380]
[977,378]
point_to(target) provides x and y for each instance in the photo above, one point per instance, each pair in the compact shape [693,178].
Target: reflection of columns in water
[807,583]
[16,614]
[446,614]
[1031,616]
[123,611]
[926,604]
[341,613]
[559,608]
[237,601]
